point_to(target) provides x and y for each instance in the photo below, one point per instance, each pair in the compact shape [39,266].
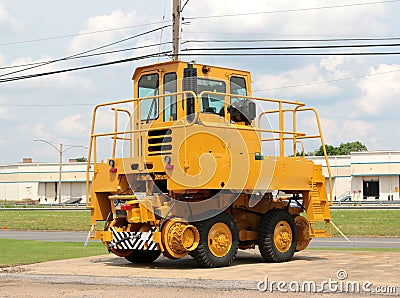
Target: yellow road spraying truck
[195,165]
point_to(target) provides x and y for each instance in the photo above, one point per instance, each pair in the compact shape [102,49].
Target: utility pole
[176,19]
[60,151]
[60,175]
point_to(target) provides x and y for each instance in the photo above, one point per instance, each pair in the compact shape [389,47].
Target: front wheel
[219,241]
[277,236]
[143,256]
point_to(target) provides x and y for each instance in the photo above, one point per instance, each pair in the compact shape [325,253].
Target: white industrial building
[39,182]
[364,176]
[360,176]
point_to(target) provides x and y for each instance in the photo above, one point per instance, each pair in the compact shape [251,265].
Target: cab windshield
[211,103]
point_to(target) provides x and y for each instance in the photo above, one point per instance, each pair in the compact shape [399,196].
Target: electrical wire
[287,40]
[295,47]
[183,6]
[79,34]
[290,10]
[161,33]
[260,90]
[12,79]
[88,51]
[295,54]
[329,81]
[86,56]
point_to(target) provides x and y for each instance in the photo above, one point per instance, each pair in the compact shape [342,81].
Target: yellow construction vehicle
[195,166]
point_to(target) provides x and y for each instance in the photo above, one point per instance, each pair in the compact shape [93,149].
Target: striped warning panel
[133,240]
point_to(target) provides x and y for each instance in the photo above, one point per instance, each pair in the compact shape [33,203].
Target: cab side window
[148,86]
[170,107]
[238,86]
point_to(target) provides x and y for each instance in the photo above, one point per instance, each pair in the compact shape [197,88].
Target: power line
[294,54]
[291,10]
[247,48]
[86,56]
[275,34]
[88,51]
[328,81]
[183,6]
[78,34]
[294,47]
[12,79]
[261,90]
[287,40]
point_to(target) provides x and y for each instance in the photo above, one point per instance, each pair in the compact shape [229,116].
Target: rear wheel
[219,241]
[303,232]
[277,236]
[143,256]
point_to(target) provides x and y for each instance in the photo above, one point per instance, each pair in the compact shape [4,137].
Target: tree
[348,147]
[342,149]
[81,159]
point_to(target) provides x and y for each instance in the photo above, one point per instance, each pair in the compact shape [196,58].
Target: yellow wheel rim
[220,239]
[283,236]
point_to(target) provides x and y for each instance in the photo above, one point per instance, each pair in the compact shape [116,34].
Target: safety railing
[119,135]
[282,109]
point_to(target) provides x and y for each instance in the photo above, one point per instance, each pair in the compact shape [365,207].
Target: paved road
[335,242]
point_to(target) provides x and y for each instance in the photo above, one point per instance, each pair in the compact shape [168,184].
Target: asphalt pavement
[334,242]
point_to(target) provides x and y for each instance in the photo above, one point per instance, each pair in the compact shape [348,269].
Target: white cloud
[40,131]
[8,23]
[338,21]
[116,19]
[4,113]
[60,81]
[73,126]
[338,130]
[338,66]
[380,91]
[297,83]
[2,59]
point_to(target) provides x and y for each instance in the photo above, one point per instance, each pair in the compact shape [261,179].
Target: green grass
[385,223]
[19,252]
[45,220]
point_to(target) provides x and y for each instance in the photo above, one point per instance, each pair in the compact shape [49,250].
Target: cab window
[211,103]
[148,86]
[170,107]
[238,86]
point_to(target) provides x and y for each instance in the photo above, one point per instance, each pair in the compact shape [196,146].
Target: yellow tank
[193,165]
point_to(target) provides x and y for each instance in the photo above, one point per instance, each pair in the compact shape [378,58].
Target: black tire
[203,254]
[266,242]
[143,256]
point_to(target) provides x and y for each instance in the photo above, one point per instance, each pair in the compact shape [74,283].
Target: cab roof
[176,65]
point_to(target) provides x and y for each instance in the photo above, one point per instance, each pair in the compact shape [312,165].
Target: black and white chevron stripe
[133,240]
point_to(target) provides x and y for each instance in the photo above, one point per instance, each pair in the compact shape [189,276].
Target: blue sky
[357,97]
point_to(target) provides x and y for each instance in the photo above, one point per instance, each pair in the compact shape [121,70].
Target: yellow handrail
[302,109]
[283,134]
